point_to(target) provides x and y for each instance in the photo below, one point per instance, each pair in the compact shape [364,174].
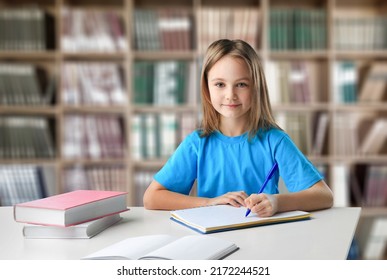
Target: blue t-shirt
[222,164]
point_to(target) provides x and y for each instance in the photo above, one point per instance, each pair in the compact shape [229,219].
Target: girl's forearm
[158,198]
[317,197]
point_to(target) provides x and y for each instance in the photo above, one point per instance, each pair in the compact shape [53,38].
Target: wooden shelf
[29,110]
[29,55]
[164,55]
[88,109]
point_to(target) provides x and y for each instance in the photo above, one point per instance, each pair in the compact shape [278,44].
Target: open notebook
[167,247]
[224,217]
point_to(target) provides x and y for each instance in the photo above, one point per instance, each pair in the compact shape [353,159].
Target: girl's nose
[230,95]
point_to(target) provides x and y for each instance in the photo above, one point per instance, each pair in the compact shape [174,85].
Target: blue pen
[268,177]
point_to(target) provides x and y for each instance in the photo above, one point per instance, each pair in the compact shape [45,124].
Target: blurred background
[98,94]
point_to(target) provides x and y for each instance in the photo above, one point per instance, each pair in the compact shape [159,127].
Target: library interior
[98,94]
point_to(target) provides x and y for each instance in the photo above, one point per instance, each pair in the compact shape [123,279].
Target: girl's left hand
[265,205]
[236,199]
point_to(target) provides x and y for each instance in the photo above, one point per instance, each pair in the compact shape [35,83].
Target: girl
[236,146]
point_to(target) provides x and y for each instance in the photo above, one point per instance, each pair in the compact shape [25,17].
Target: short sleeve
[297,172]
[180,171]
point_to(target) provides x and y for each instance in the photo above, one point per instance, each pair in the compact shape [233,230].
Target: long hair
[260,113]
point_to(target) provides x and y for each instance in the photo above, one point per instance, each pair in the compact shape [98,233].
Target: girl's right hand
[236,199]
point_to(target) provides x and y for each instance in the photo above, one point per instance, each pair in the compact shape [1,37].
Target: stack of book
[77,214]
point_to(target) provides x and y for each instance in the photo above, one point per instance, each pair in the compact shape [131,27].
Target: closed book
[84,230]
[71,208]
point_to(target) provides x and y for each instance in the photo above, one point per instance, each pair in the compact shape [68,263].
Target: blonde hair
[260,113]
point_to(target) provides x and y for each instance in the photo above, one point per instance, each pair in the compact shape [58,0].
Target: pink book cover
[70,199]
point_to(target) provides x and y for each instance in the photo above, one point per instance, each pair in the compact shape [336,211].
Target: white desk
[327,235]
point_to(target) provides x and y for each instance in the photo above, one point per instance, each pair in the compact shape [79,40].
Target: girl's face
[231,88]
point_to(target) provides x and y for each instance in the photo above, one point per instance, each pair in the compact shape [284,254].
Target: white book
[374,248]
[321,134]
[91,133]
[168,134]
[150,127]
[272,77]
[81,231]
[136,138]
[340,185]
[167,247]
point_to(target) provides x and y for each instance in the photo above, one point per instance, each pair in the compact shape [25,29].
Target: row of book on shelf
[363,133]
[359,134]
[163,29]
[112,177]
[233,23]
[104,31]
[173,29]
[27,29]
[305,29]
[355,82]
[26,137]
[153,135]
[21,183]
[93,83]
[297,29]
[360,32]
[304,81]
[93,136]
[25,84]
[167,82]
[92,30]
[157,135]
[164,82]
[172,82]
[294,81]
[308,131]
[359,185]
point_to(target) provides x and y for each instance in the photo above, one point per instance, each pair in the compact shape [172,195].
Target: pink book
[71,208]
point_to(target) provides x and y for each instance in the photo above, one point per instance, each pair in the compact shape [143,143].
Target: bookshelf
[325,63]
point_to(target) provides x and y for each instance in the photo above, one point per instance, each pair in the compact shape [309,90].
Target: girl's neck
[232,128]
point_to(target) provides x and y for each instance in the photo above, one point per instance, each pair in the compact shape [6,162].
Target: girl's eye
[219,85]
[242,85]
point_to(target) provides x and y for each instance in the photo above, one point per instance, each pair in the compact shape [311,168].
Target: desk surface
[327,235]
